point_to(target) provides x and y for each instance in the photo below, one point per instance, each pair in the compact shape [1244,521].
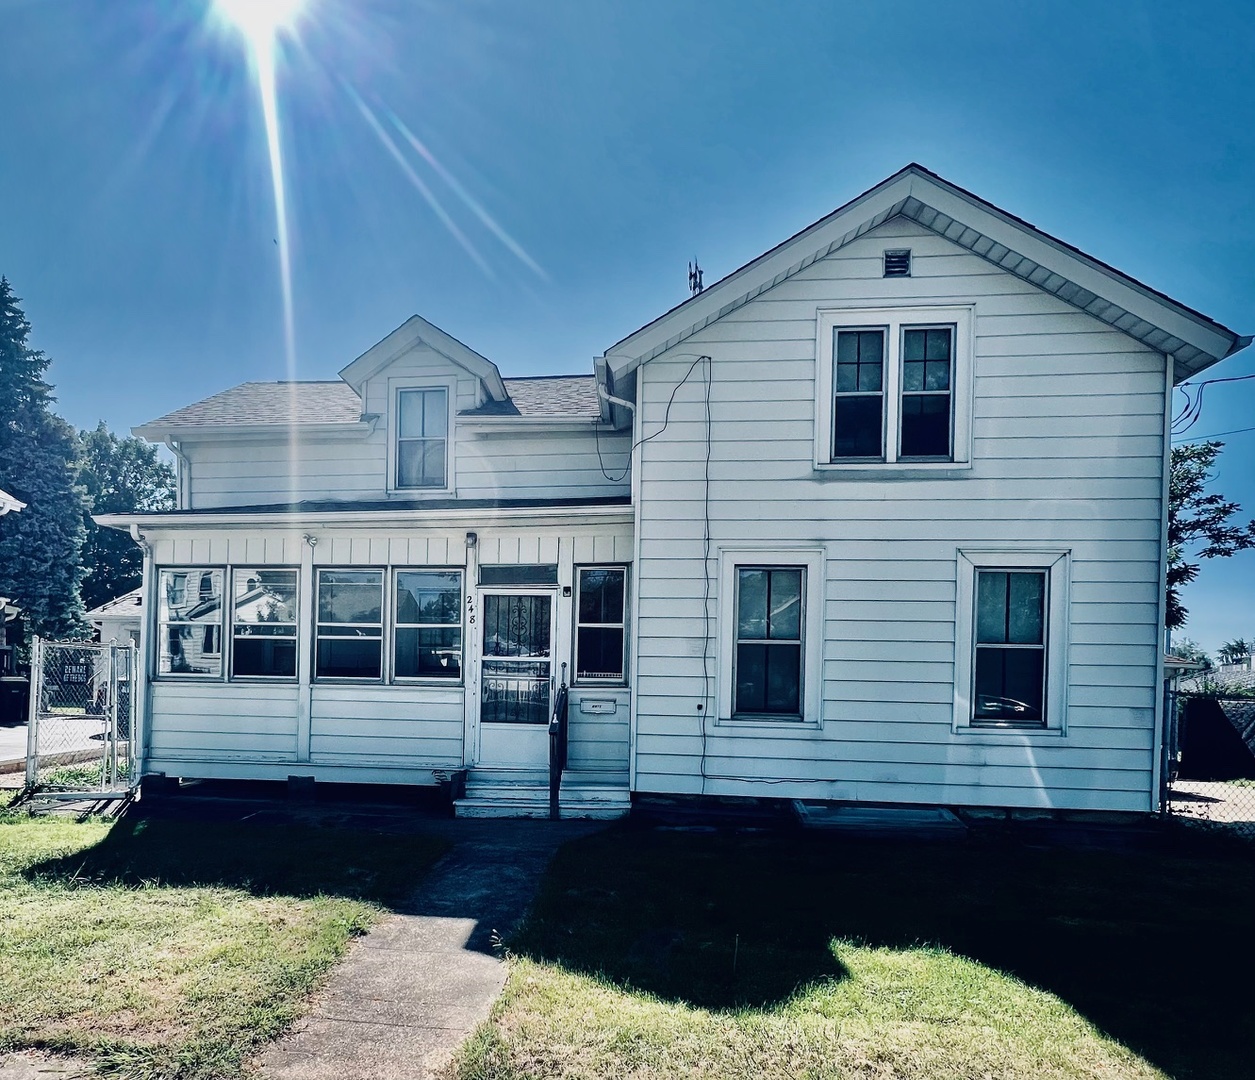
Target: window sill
[1001,734]
[906,470]
[767,723]
[419,681]
[421,493]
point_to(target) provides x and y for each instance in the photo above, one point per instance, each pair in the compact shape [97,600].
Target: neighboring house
[880,516]
[119,619]
[9,503]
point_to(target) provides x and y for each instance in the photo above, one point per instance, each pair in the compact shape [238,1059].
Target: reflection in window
[189,622]
[1010,669]
[427,617]
[768,675]
[263,625]
[599,631]
[349,633]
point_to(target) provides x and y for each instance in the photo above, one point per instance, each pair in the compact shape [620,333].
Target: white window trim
[392,626]
[162,625]
[893,319]
[1057,565]
[385,614]
[395,386]
[231,625]
[576,624]
[812,561]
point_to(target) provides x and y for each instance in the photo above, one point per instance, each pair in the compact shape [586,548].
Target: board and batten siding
[360,731]
[1067,453]
[520,463]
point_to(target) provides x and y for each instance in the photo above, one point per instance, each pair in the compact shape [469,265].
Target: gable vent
[898,263]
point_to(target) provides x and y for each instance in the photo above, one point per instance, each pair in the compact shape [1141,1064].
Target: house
[880,516]
[118,619]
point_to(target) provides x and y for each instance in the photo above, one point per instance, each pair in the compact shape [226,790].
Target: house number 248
[470,609]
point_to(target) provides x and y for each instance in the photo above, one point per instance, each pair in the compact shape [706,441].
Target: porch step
[524,793]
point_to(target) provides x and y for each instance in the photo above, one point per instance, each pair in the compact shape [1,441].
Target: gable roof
[262,404]
[1092,286]
[417,330]
[8,502]
[128,604]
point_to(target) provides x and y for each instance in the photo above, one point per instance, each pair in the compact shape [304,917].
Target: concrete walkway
[415,986]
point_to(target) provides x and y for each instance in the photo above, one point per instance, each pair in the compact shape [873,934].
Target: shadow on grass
[1155,947]
[288,860]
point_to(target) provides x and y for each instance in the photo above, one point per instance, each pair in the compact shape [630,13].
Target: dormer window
[422,457]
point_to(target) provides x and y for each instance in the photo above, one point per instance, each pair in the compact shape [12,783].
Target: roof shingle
[270,403]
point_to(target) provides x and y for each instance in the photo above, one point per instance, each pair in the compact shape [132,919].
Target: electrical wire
[1214,435]
[1193,409]
[666,419]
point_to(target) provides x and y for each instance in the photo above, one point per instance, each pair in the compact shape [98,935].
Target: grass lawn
[750,956]
[172,949]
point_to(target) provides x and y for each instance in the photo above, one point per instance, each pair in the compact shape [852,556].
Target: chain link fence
[1210,754]
[81,717]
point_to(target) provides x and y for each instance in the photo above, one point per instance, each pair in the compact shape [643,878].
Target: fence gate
[82,716]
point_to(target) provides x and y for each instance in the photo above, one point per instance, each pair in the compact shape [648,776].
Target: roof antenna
[695,277]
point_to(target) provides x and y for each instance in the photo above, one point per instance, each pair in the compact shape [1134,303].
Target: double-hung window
[189,622]
[422,438]
[770,651]
[893,388]
[263,623]
[600,641]
[427,624]
[1011,646]
[349,632]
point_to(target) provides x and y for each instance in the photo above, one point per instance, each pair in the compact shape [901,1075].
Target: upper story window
[422,438]
[894,388]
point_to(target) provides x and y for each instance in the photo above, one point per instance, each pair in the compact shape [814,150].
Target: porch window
[599,630]
[350,624]
[263,623]
[189,622]
[422,438]
[427,620]
[768,660]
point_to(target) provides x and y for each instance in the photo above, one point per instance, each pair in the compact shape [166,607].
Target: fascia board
[369,518]
[228,432]
[416,330]
[1078,268]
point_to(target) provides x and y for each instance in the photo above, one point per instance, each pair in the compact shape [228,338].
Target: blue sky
[610,142]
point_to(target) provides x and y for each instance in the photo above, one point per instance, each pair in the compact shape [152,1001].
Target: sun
[260,20]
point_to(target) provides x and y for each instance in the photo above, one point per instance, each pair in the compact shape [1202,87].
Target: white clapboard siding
[1067,454]
[196,718]
[372,724]
[598,741]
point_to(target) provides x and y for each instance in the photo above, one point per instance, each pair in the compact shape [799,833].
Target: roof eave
[157,432]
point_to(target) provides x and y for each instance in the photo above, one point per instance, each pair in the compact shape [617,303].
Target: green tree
[1234,652]
[1198,522]
[40,546]
[119,476]
[1189,649]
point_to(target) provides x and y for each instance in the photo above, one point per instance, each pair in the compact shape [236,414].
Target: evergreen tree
[119,475]
[40,546]
[1198,522]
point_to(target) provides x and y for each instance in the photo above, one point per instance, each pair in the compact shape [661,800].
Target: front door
[516,681]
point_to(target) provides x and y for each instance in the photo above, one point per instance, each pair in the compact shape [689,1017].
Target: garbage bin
[14,699]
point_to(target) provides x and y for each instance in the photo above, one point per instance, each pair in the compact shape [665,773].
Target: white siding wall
[520,464]
[1067,453]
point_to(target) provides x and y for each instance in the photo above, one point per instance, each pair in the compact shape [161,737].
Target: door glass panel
[517,662]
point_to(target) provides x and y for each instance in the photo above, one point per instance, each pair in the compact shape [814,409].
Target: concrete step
[524,793]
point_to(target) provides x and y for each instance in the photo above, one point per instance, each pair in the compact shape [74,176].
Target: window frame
[396,386]
[384,615]
[161,626]
[894,320]
[622,680]
[296,624]
[1056,565]
[392,625]
[812,562]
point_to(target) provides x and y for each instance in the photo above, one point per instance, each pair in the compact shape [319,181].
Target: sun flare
[260,20]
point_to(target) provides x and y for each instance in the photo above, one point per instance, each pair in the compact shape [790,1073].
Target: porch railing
[557,747]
